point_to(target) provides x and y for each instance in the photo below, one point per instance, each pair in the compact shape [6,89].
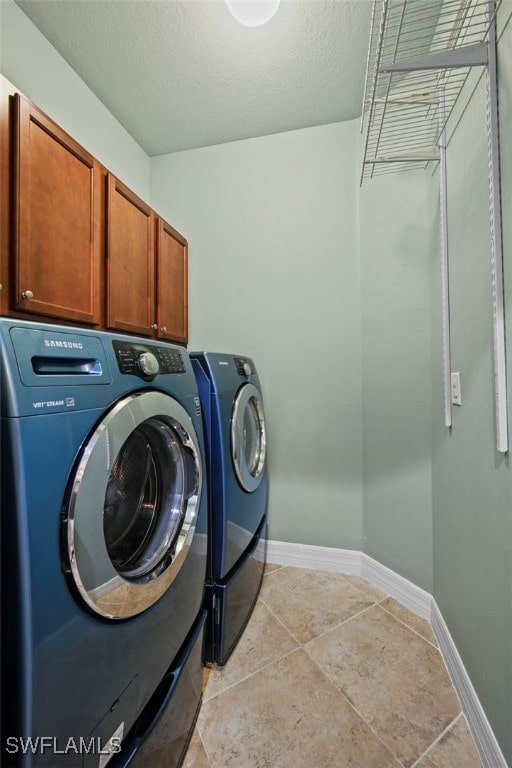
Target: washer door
[248,437]
[133,505]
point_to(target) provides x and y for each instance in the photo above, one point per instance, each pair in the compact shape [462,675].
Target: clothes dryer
[236,450]
[104,543]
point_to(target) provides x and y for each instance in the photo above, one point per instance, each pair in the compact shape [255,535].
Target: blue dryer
[104,547]
[236,449]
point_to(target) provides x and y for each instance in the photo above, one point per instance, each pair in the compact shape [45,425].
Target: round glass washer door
[248,437]
[133,505]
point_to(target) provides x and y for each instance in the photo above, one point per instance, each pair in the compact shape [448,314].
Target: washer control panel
[147,361]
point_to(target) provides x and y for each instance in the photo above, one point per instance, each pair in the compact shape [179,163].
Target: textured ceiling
[181,74]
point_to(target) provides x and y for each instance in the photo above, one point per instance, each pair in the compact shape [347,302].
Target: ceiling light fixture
[253,13]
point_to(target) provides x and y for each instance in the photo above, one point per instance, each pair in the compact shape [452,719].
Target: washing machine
[236,452]
[104,547]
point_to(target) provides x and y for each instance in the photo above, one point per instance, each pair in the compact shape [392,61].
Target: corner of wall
[33,65]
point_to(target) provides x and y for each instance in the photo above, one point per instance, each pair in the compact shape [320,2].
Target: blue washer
[104,544]
[236,445]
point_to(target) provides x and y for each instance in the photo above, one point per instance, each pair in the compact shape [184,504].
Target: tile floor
[331,672]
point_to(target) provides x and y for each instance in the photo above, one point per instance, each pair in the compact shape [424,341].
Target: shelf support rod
[498,303]
[445,273]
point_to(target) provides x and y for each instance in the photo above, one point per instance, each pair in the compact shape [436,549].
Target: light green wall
[472,483]
[395,235]
[274,274]
[335,292]
[31,64]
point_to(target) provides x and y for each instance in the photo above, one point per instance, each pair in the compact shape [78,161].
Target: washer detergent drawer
[48,358]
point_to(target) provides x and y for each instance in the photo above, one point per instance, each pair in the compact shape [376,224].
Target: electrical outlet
[456,396]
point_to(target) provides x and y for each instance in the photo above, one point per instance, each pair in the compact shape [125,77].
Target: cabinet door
[130,261]
[172,284]
[56,221]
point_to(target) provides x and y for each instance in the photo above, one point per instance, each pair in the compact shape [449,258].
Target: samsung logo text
[63,344]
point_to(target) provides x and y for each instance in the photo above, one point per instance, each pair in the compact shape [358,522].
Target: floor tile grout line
[408,626]
[198,729]
[354,586]
[280,621]
[411,628]
[277,567]
[390,597]
[340,624]
[248,677]
[326,631]
[347,576]
[354,708]
[266,574]
[437,740]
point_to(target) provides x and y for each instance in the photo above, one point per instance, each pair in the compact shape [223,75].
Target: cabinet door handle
[154,326]
[164,329]
[27,295]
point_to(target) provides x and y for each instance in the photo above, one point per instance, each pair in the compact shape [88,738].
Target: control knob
[148,364]
[247,369]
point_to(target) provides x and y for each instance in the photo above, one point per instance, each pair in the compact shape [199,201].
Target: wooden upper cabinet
[130,261]
[57,199]
[76,244]
[171,284]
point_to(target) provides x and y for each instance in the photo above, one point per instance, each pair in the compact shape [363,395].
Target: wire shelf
[417,47]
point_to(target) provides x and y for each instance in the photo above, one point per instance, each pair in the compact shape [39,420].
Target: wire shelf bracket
[473,56]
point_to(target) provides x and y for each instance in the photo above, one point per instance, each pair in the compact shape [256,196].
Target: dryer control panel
[244,367]
[147,361]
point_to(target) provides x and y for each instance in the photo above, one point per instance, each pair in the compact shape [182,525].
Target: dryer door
[248,437]
[133,504]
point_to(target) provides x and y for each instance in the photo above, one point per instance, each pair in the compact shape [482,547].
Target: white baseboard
[311,556]
[407,593]
[485,740]
[416,599]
